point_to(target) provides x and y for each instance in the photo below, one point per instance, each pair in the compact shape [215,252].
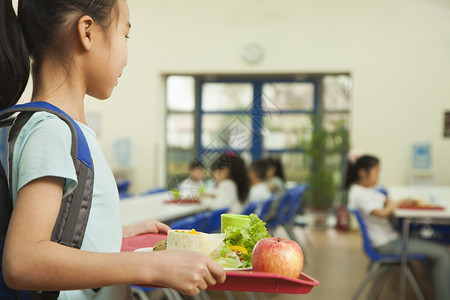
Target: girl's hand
[272,187]
[186,271]
[407,202]
[149,226]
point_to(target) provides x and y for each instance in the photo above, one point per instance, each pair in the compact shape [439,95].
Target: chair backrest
[294,202]
[196,222]
[264,208]
[201,220]
[184,223]
[282,209]
[288,206]
[367,244]
[213,223]
[370,250]
[123,185]
[250,208]
[124,195]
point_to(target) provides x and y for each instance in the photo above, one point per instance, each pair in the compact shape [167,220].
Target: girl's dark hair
[196,164]
[276,163]
[365,162]
[238,172]
[41,28]
[259,166]
[14,60]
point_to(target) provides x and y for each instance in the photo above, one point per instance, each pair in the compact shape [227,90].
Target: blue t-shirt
[43,149]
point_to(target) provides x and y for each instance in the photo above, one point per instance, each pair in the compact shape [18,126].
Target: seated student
[276,182]
[230,173]
[275,176]
[192,187]
[259,191]
[375,207]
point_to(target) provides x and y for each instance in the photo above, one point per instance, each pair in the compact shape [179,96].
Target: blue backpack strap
[72,219]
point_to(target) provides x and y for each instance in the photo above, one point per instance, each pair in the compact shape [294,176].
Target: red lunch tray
[182,201]
[248,281]
[421,207]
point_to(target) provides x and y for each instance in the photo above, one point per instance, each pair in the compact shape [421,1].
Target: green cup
[234,220]
[175,193]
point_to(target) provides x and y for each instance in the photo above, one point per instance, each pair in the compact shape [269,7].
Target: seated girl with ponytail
[232,183]
[75,48]
[376,209]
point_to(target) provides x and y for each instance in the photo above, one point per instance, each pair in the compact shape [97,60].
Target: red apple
[278,255]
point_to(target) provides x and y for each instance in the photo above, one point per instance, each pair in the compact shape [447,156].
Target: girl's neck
[62,88]
[363,183]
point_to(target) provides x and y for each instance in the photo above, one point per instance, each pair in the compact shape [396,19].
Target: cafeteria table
[156,206]
[439,214]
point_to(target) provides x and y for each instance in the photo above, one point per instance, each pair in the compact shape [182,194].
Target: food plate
[238,269]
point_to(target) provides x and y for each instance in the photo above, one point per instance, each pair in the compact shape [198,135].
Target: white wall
[398,53]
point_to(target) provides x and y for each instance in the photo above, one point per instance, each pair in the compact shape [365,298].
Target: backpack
[73,215]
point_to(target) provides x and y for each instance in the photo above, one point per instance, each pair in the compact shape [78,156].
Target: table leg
[405,237]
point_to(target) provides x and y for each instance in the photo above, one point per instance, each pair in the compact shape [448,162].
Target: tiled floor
[336,259]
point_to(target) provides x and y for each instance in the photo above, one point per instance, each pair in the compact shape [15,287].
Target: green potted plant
[325,156]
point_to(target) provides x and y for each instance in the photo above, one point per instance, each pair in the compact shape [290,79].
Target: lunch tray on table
[429,207]
[182,201]
[245,281]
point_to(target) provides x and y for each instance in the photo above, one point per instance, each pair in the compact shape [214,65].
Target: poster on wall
[447,124]
[422,156]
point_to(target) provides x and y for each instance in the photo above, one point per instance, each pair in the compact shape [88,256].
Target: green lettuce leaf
[247,237]
[229,262]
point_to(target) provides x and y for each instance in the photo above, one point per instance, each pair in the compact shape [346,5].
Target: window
[180,123]
[257,116]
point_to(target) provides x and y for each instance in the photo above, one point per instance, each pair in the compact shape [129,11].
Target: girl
[233,184]
[276,183]
[76,48]
[259,191]
[275,176]
[376,209]
[193,186]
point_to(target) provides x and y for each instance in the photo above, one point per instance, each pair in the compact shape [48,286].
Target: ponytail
[14,58]
[276,163]
[238,172]
[365,162]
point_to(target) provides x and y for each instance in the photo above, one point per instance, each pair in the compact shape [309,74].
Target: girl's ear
[362,173]
[85,32]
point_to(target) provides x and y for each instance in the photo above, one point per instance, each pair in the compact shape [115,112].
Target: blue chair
[184,223]
[287,211]
[295,197]
[282,206]
[213,223]
[196,222]
[288,206]
[250,208]
[263,210]
[124,195]
[123,185]
[384,262]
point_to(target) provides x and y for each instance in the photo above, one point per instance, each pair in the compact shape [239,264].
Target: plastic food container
[234,220]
